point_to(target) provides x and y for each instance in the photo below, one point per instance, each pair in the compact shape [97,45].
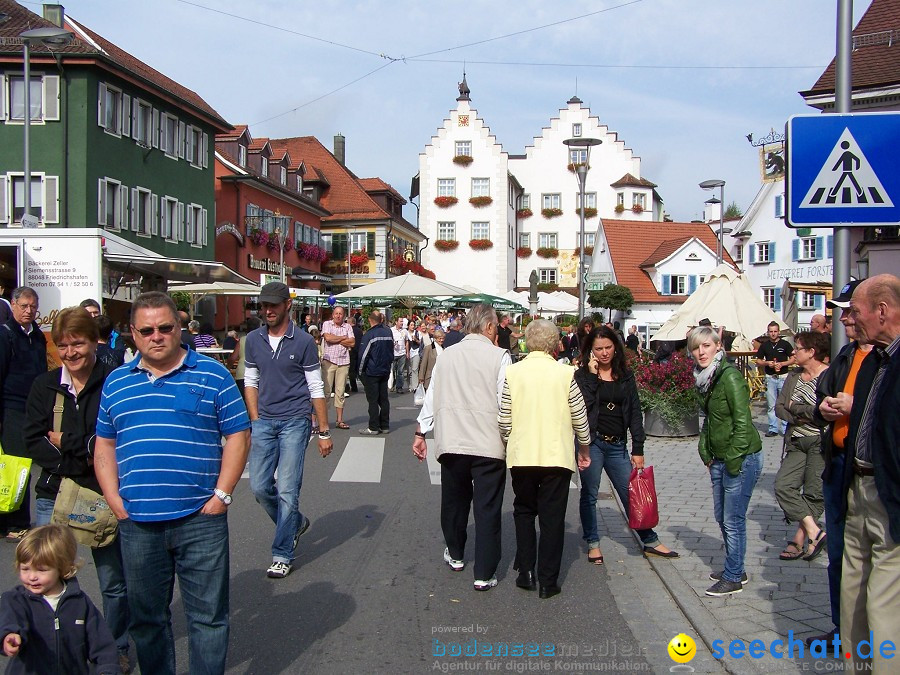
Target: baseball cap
[843,299]
[274,293]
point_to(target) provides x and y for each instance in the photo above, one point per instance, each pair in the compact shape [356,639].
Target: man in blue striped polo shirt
[167,477]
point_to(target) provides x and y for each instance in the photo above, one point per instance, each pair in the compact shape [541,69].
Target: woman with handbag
[614,410]
[60,420]
[430,353]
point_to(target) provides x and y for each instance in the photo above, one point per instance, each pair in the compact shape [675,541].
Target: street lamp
[281,235]
[48,37]
[711,185]
[581,169]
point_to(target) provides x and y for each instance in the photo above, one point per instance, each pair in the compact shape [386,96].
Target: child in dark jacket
[47,624]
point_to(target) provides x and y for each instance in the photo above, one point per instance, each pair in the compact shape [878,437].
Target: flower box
[445,202]
[666,390]
[272,243]
[548,252]
[637,208]
[589,212]
[572,167]
[588,250]
[480,244]
[359,259]
[551,213]
[478,202]
[548,288]
[620,208]
[524,213]
[311,252]
[463,160]
[523,251]
[445,244]
[259,237]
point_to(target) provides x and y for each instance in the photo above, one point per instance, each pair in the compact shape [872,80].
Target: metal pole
[280,253]
[582,179]
[719,252]
[842,104]
[27,128]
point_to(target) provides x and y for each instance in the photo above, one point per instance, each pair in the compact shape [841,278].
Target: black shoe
[771,434]
[722,588]
[717,576]
[526,581]
[549,591]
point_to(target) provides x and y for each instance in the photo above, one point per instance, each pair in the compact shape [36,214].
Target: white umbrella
[407,285]
[727,299]
[216,288]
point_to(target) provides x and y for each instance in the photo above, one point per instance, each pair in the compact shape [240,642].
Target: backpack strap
[58,408]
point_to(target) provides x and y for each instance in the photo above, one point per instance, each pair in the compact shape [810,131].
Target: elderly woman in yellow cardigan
[541,408]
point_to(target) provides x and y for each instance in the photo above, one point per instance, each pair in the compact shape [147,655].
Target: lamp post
[711,185]
[581,169]
[280,235]
[47,36]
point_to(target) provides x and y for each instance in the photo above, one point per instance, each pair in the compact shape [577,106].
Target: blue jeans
[281,445]
[614,458]
[774,386]
[401,372]
[110,575]
[196,549]
[731,497]
[834,526]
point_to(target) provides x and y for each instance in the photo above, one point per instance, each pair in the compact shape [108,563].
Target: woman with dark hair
[576,342]
[798,483]
[614,410]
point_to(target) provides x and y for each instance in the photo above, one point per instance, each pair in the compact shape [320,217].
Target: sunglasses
[165,329]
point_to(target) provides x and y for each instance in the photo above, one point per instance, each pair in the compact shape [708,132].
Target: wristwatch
[224,496]
[324,435]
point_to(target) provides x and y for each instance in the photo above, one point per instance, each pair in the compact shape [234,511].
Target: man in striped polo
[168,479]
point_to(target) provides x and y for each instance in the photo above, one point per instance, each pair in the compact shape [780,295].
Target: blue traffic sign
[842,170]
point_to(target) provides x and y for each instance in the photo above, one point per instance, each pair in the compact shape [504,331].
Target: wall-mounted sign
[230,229]
[266,265]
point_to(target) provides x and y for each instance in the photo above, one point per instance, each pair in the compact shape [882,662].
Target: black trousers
[14,444]
[377,397]
[354,370]
[541,492]
[480,481]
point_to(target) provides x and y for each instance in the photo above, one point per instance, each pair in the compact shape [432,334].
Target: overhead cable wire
[608,65]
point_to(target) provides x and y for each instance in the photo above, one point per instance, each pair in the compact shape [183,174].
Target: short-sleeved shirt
[775,351]
[401,337]
[503,335]
[337,354]
[168,434]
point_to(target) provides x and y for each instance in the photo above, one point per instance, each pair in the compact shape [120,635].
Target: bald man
[817,324]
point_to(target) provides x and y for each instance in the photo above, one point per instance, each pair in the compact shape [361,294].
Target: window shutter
[692,283]
[777,301]
[820,300]
[772,252]
[820,247]
[101,201]
[135,126]
[666,284]
[51,199]
[204,148]
[203,235]
[830,244]
[189,143]
[101,106]
[795,250]
[752,253]
[370,244]
[179,223]
[4,182]
[123,208]
[191,225]
[134,209]
[180,141]
[3,113]
[154,215]
[51,98]
[154,128]
[126,115]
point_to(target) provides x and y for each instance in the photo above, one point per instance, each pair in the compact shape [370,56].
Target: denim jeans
[110,575]
[281,445]
[614,458]
[774,386]
[834,526]
[196,549]
[731,497]
[401,372]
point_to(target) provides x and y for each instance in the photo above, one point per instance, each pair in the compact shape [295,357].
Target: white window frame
[242,154]
[446,187]
[526,201]
[142,122]
[590,200]
[678,284]
[168,137]
[762,252]
[111,188]
[481,230]
[547,275]
[481,187]
[263,166]
[168,218]
[112,120]
[577,156]
[525,239]
[463,148]
[358,241]
[551,200]
[447,230]
[588,238]
[639,199]
[738,253]
[547,240]
[768,297]
[141,211]
[576,129]
[284,175]
[44,198]
[195,225]
[620,199]
[807,248]
[44,98]
[807,300]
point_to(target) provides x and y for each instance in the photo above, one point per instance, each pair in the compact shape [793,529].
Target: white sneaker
[455,565]
[485,585]
[278,570]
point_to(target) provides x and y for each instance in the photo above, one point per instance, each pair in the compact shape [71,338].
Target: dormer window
[242,155]
[264,167]
[299,183]
[283,176]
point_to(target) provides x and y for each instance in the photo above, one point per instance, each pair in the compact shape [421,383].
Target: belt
[862,470]
[610,439]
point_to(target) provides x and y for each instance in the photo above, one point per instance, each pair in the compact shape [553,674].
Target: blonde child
[48,625]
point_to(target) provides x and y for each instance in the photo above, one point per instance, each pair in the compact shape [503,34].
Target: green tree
[182,300]
[733,211]
[612,296]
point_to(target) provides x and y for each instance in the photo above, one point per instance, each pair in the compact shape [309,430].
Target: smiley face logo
[682,648]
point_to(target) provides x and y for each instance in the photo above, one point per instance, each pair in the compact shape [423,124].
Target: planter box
[654,425]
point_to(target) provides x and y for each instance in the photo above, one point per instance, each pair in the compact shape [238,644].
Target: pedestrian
[23,356]
[168,478]
[203,337]
[798,483]
[585,326]
[730,448]
[633,341]
[65,448]
[610,395]
[430,355]
[5,306]
[235,360]
[105,353]
[834,394]
[337,340]
[775,354]
[505,334]
[376,358]
[401,354]
[415,352]
[461,406]
[871,563]
[92,307]
[453,335]
[541,408]
[353,375]
[817,323]
[282,387]
[48,624]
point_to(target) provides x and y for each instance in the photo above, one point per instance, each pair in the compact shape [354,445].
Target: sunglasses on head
[165,329]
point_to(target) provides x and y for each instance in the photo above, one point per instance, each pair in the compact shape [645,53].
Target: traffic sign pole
[842,104]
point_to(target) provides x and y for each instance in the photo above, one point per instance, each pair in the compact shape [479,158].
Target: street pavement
[370,593]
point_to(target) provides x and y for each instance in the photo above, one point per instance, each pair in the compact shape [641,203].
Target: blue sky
[681,81]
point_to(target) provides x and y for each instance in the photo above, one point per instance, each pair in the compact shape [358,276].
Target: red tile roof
[632,243]
[233,135]
[630,181]
[378,185]
[876,56]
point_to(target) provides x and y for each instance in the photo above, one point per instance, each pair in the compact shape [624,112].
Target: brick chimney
[339,149]
[55,14]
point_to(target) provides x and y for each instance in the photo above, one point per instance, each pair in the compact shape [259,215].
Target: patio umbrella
[472,299]
[216,288]
[403,286]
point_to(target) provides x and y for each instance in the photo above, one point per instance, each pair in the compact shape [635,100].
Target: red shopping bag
[643,511]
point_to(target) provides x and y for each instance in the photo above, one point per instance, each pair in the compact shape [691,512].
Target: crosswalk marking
[360,462]
[846,179]
[434,467]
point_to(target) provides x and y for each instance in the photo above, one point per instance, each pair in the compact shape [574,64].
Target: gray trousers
[798,483]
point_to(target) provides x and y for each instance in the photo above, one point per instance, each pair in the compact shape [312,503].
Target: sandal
[792,551]
[817,545]
[595,559]
[341,425]
[16,535]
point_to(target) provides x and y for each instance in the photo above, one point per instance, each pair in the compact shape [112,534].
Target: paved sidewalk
[780,597]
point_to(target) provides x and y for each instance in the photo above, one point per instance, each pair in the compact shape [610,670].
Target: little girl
[48,625]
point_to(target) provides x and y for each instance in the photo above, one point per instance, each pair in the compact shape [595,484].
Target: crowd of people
[166,435]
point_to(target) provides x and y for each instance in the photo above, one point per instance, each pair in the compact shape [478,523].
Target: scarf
[704,376]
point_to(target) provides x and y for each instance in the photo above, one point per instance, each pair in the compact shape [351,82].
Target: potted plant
[446,244]
[524,213]
[523,251]
[272,243]
[259,237]
[589,212]
[551,213]
[445,202]
[478,202]
[637,208]
[548,251]
[480,244]
[668,394]
[462,160]
[620,208]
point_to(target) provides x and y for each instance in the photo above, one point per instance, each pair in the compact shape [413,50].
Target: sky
[682,82]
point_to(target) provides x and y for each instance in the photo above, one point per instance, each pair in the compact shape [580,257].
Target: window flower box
[548,288]
[480,244]
[637,208]
[573,166]
[445,202]
[359,259]
[589,212]
[524,213]
[462,160]
[272,243]
[620,208]
[548,252]
[478,202]
[551,213]
[446,244]
[259,237]
[588,250]
[523,251]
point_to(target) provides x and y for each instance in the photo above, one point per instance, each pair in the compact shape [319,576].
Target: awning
[175,269]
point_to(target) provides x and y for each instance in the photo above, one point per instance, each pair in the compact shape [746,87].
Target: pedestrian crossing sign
[842,170]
